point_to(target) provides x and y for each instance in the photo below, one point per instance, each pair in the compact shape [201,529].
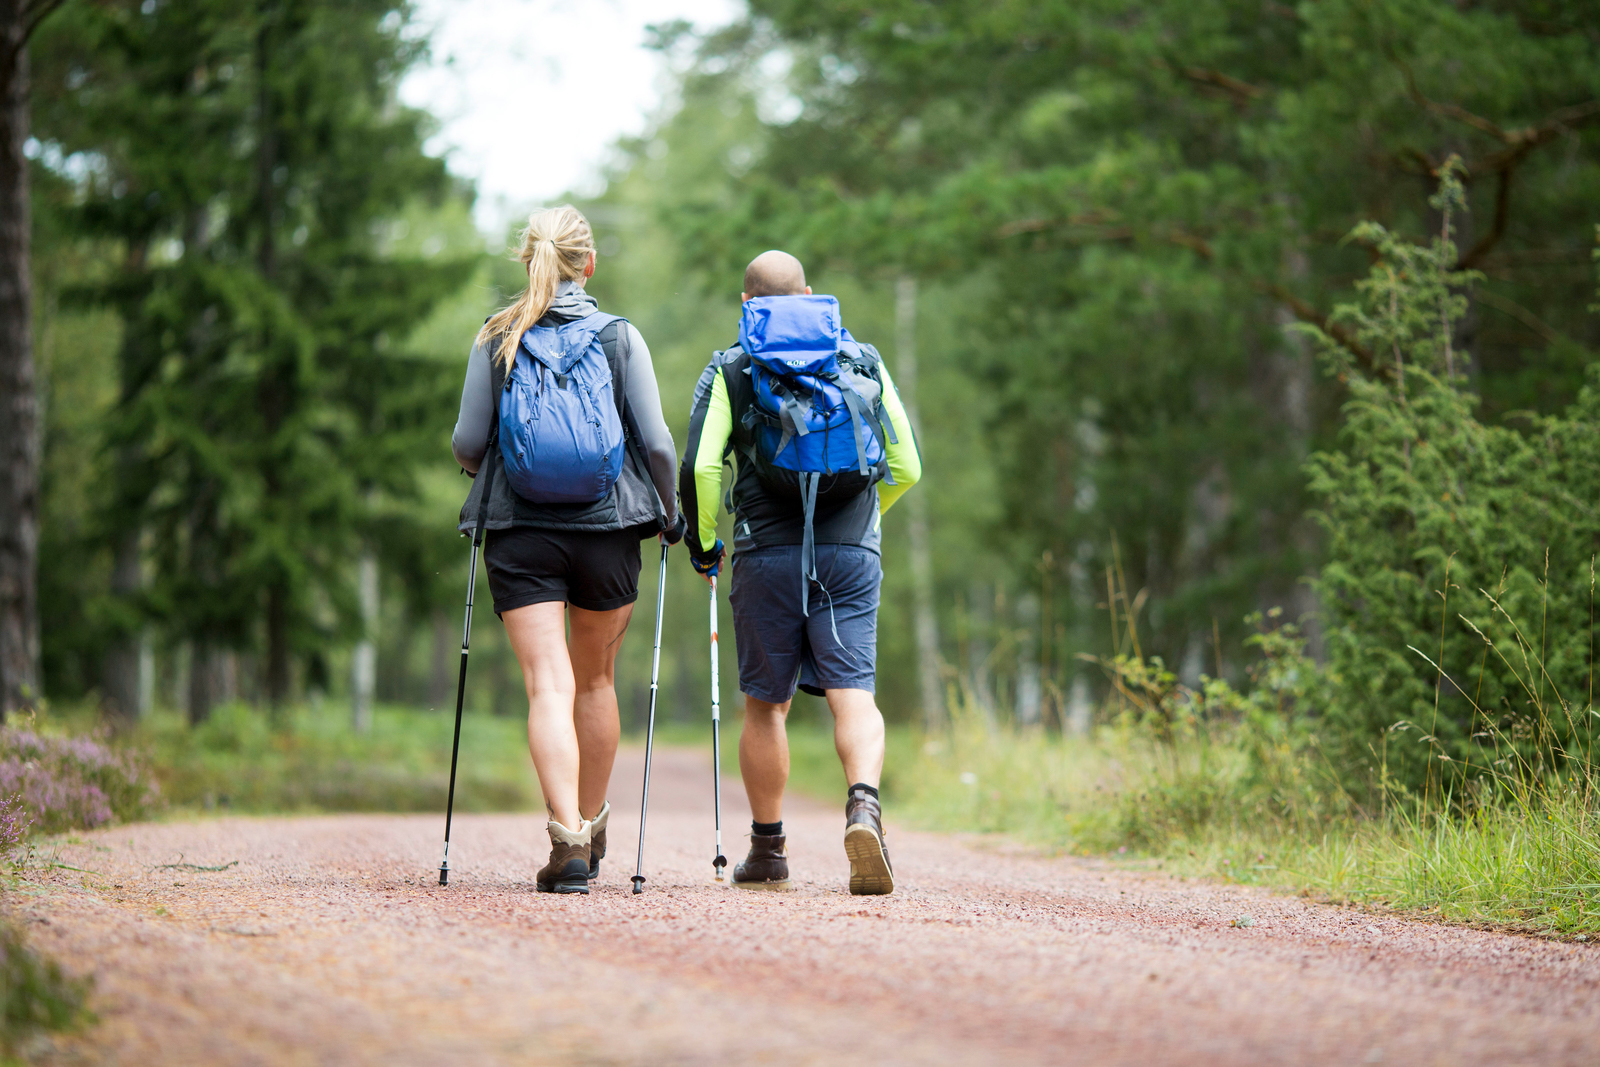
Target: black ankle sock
[863,785]
[767,829]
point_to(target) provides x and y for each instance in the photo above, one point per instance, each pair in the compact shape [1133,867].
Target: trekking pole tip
[638,883]
[444,874]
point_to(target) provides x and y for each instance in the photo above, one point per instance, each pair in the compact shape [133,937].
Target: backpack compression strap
[808,540]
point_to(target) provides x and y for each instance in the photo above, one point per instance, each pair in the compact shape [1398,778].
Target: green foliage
[241,175]
[236,761]
[1458,592]
[1129,203]
[37,995]
[1219,756]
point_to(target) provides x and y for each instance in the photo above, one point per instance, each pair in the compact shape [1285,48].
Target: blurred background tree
[232,191]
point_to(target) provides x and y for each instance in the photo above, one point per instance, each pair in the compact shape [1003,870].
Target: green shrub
[1458,595]
[37,994]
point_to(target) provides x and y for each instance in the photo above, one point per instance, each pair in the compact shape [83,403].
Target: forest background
[1113,254]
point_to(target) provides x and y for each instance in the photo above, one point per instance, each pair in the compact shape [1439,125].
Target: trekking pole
[650,727]
[461,692]
[466,639]
[716,737]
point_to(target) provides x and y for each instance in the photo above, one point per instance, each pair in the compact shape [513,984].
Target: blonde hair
[555,248]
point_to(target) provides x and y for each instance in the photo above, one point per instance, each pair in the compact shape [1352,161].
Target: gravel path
[330,942]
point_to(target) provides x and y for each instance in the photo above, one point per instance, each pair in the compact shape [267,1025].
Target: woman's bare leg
[595,640]
[538,637]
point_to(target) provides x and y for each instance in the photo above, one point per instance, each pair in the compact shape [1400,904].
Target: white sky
[531,93]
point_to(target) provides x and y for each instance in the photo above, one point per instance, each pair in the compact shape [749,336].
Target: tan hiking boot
[597,840]
[870,873]
[568,869]
[767,865]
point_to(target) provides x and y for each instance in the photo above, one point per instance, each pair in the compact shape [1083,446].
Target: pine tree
[251,164]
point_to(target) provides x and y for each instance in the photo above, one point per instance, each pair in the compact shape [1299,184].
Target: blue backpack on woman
[561,436]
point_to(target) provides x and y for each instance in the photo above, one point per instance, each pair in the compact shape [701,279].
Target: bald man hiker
[821,448]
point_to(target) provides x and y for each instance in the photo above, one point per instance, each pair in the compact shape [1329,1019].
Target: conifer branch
[1241,92]
[1518,143]
[1517,311]
[1308,314]
[35,12]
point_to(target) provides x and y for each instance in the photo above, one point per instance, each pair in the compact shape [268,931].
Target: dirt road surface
[330,942]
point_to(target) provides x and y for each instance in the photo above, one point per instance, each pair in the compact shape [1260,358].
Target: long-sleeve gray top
[480,402]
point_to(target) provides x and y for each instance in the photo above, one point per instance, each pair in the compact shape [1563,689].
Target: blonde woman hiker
[561,409]
[822,448]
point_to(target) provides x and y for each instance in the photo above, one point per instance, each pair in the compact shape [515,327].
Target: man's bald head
[774,273]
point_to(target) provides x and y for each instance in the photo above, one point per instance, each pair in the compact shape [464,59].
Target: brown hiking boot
[870,873]
[767,865]
[597,840]
[568,869]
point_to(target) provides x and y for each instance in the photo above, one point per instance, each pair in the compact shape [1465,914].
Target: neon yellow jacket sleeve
[905,460]
[700,483]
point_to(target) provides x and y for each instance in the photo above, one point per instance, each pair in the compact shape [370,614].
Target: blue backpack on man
[561,438]
[817,419]
[818,401]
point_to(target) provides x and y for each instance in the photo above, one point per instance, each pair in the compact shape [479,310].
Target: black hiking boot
[568,869]
[597,840]
[767,865]
[870,873]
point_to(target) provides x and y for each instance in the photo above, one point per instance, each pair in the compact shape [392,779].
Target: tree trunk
[364,664]
[927,622]
[1030,691]
[19,431]
[981,618]
[1297,374]
[277,680]
[202,681]
[120,677]
[446,651]
[273,400]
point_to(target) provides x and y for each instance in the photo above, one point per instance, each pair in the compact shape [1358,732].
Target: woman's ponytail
[555,247]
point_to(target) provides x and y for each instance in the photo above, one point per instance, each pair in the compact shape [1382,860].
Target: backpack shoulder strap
[616,343]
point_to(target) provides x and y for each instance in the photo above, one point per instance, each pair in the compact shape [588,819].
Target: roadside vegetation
[1439,757]
[1207,804]
[315,761]
[53,780]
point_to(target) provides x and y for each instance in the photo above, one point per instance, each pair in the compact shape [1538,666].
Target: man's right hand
[706,563]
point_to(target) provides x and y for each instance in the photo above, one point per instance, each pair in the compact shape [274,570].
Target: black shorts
[596,571]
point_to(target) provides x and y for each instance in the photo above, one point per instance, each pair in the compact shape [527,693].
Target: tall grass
[1529,859]
[238,761]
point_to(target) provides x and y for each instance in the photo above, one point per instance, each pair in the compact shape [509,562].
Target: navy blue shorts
[779,647]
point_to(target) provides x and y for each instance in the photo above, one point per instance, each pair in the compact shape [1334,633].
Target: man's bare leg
[764,747]
[857,735]
[764,757]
